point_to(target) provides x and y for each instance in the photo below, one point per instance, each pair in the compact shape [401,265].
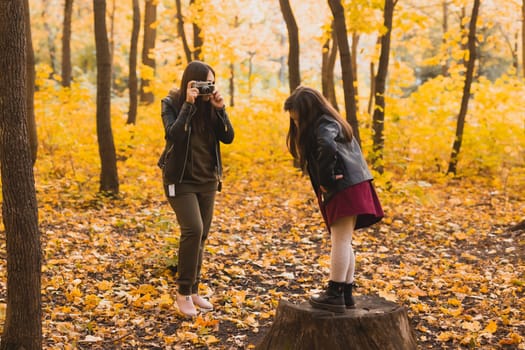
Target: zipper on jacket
[186,155]
[187,128]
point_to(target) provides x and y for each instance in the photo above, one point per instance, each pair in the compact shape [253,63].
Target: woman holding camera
[195,122]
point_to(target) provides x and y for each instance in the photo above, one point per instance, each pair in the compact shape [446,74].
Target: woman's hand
[191,92]
[217,100]
[337,177]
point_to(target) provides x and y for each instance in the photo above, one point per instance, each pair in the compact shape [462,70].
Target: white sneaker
[204,304]
[185,304]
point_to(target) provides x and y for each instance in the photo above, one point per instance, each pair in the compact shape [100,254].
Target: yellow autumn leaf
[474,326]
[452,312]
[168,339]
[206,322]
[91,301]
[104,285]
[454,302]
[165,301]
[73,295]
[511,339]
[491,327]
[445,336]
[211,339]
[145,289]
[188,336]
[419,307]
[460,236]
[141,301]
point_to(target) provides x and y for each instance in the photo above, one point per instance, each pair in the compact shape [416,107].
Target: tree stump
[375,324]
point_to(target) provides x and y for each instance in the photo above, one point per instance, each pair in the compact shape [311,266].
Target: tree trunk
[232,84]
[181,32]
[376,324]
[378,120]
[22,327]
[51,35]
[471,44]
[133,51]
[197,39]
[66,44]
[106,148]
[346,66]
[355,44]
[463,29]
[197,42]
[371,100]
[294,75]
[444,67]
[30,87]
[112,39]
[148,60]
[327,68]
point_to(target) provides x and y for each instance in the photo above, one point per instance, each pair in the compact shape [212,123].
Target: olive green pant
[194,213]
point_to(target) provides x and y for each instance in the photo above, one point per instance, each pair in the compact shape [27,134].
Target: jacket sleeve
[176,123]
[327,152]
[224,130]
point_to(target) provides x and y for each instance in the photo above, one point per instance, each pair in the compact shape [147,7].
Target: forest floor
[445,251]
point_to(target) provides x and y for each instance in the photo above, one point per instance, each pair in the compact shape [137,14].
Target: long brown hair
[310,105]
[198,71]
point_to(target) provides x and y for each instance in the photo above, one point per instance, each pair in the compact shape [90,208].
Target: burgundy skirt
[357,200]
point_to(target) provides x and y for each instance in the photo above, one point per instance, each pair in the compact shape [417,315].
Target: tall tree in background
[30,86]
[463,27]
[444,67]
[353,54]
[22,328]
[111,16]
[51,36]
[106,147]
[346,65]
[327,66]
[231,82]
[133,51]
[293,45]
[378,119]
[148,60]
[198,41]
[470,63]
[371,100]
[66,44]
[181,32]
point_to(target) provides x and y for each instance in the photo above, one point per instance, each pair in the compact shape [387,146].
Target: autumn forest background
[450,248]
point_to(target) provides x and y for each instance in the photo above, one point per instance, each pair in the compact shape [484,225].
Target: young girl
[322,141]
[195,121]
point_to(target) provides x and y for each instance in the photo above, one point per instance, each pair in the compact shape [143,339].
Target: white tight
[342,258]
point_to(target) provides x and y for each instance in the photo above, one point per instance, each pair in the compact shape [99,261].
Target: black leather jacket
[332,156]
[177,126]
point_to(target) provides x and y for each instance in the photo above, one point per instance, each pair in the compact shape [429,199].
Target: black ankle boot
[332,299]
[349,299]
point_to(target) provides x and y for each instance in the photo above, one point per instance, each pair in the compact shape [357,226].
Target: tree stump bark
[375,324]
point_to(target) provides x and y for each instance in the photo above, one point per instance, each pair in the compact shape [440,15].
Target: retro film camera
[205,87]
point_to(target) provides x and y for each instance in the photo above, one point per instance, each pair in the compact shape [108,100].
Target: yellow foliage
[91,301]
[491,327]
[74,295]
[165,301]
